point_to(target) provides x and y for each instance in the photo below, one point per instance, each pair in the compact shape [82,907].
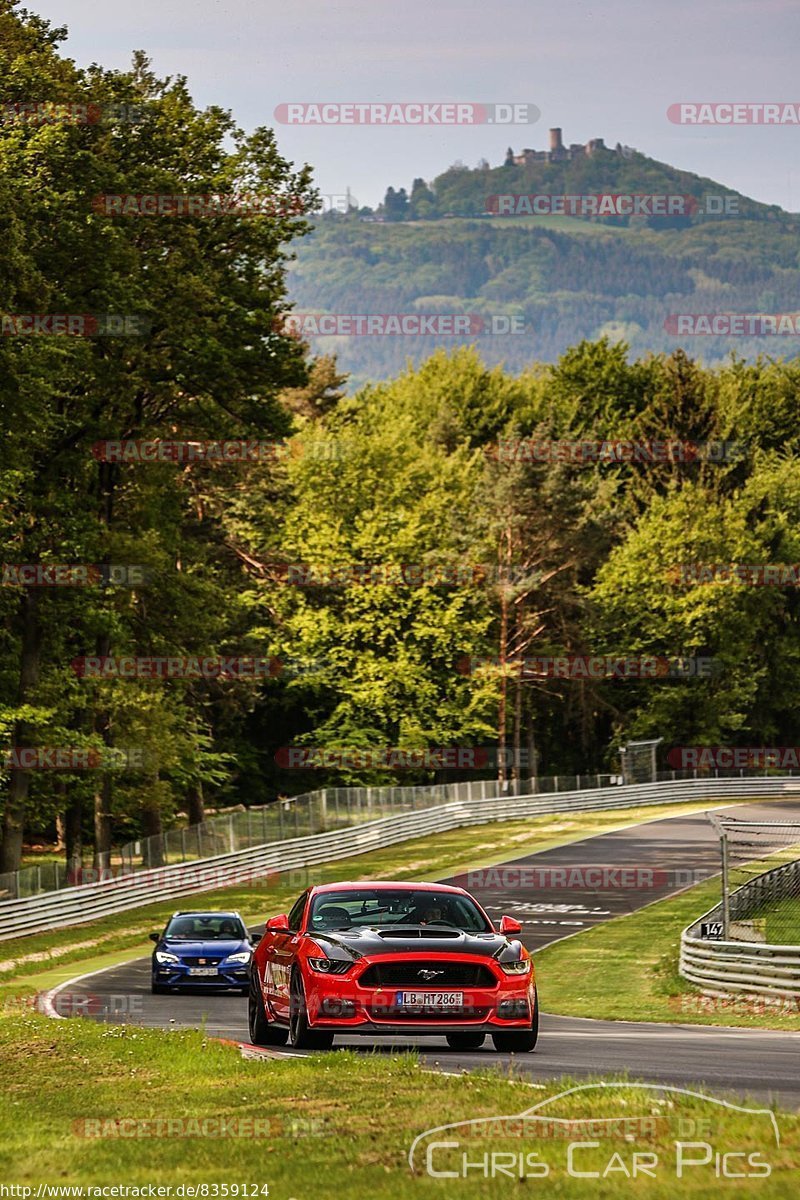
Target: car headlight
[241,956]
[164,956]
[521,967]
[329,966]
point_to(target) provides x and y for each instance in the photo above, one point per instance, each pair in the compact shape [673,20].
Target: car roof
[204,912]
[379,884]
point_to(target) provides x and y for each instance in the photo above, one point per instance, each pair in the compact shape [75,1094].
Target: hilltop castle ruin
[558,152]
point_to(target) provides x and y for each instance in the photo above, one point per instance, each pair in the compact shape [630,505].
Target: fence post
[726,902]
[231,835]
[183,845]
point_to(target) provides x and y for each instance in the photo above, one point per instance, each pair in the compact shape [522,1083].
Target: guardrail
[76,905]
[738,968]
[320,811]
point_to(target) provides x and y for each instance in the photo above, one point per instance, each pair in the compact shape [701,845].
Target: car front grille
[408,974]
[201,962]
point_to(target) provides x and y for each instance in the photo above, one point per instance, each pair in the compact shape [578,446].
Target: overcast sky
[607,69]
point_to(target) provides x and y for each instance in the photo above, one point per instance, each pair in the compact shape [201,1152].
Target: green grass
[782,924]
[456,851]
[627,969]
[333,1125]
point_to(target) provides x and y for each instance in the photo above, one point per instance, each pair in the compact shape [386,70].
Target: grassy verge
[115,938]
[782,923]
[335,1125]
[627,969]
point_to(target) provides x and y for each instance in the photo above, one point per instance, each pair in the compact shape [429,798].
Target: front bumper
[176,975]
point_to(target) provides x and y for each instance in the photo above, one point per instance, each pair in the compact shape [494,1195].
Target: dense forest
[382,565]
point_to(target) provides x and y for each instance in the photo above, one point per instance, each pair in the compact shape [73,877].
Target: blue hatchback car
[205,949]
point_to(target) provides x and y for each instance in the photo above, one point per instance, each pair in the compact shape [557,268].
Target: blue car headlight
[241,956]
[164,956]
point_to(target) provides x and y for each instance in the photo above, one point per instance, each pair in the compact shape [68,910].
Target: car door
[280,959]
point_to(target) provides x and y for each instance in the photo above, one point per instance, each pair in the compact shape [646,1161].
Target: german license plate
[429,999]
[202,970]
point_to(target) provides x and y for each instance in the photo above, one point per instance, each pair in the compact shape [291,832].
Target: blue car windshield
[205,929]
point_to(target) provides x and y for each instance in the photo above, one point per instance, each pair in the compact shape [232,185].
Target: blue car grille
[201,962]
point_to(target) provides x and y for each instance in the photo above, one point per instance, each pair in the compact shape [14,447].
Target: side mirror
[154,937]
[255,938]
[279,924]
[510,925]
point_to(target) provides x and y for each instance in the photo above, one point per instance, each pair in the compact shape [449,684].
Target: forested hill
[564,277]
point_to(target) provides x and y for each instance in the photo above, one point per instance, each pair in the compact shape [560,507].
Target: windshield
[383,908]
[205,929]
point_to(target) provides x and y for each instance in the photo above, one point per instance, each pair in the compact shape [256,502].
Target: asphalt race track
[554,893]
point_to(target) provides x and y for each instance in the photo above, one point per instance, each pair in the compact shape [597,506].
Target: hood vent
[407,932]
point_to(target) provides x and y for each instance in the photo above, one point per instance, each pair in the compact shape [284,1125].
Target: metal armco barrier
[754,969]
[75,905]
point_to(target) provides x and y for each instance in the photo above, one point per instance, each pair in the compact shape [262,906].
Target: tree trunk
[516,773]
[195,806]
[73,830]
[19,782]
[103,786]
[103,795]
[153,834]
[501,712]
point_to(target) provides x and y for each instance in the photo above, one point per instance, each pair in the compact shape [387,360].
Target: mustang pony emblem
[429,974]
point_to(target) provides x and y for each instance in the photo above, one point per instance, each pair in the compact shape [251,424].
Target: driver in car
[431,915]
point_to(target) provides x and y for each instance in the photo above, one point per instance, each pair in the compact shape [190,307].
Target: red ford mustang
[391,958]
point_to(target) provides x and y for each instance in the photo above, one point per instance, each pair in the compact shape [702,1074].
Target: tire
[158,989]
[519,1041]
[465,1041]
[262,1031]
[301,1036]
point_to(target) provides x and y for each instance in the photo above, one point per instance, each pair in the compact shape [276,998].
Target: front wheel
[301,1035]
[465,1041]
[262,1031]
[519,1041]
[158,989]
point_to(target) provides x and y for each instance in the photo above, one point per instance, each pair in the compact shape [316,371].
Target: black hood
[411,939]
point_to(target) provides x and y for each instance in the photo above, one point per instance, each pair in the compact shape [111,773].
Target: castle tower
[555,140]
